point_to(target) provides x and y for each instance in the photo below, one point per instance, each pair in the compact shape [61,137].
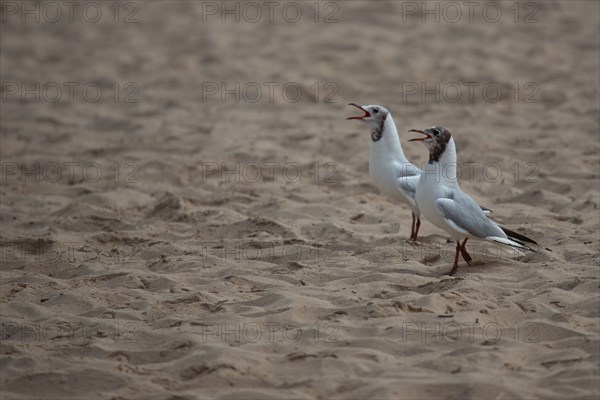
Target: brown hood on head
[437,138]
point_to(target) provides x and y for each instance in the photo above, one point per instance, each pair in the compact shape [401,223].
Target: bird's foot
[453,270]
[412,242]
[466,256]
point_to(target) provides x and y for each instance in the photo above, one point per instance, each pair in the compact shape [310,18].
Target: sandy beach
[186,214]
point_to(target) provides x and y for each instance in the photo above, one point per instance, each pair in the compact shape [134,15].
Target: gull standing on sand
[389,168]
[444,204]
[393,174]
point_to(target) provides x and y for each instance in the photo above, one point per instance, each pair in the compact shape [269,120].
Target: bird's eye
[435,132]
[375,111]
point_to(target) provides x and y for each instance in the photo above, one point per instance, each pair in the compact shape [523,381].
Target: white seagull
[389,168]
[444,204]
[393,174]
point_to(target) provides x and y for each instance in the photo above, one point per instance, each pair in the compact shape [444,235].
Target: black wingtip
[514,235]
[519,245]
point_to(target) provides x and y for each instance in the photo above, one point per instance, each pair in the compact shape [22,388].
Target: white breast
[384,174]
[387,163]
[429,190]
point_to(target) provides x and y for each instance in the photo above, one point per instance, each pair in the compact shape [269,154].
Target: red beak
[361,117]
[427,135]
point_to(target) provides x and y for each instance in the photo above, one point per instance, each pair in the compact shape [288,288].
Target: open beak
[360,117]
[427,135]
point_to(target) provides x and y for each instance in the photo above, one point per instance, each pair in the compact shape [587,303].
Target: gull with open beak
[444,204]
[389,168]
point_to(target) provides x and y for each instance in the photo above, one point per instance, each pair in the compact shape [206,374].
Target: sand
[188,246]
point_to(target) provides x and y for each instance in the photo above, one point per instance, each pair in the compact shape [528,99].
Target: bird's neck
[386,142]
[442,161]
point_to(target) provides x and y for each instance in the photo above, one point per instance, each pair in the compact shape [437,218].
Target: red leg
[463,251]
[455,266]
[417,228]
[412,228]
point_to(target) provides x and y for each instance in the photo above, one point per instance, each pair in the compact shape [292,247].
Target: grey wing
[465,215]
[408,185]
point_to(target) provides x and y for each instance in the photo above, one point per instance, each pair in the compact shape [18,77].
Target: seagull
[444,204]
[393,174]
[389,168]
